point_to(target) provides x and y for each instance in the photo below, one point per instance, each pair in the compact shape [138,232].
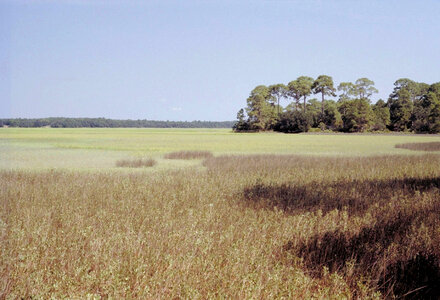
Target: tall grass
[263,226]
[136,163]
[188,155]
[431,146]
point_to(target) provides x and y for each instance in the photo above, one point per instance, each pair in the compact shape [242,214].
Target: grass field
[266,216]
[42,148]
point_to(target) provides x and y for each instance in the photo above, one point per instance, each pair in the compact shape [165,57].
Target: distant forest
[411,107]
[102,122]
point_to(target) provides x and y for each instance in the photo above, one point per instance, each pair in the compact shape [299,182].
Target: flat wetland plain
[266,215]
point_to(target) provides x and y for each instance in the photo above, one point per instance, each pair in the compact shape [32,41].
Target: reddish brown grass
[188,155]
[136,163]
[431,146]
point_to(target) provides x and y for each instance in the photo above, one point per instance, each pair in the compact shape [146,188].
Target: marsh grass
[390,209]
[355,196]
[188,155]
[259,226]
[431,146]
[136,163]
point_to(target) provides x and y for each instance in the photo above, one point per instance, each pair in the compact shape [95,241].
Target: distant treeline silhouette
[103,122]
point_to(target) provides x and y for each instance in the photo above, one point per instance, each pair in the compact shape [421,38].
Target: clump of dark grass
[392,208]
[188,155]
[354,195]
[431,146]
[396,271]
[323,169]
[136,163]
[414,278]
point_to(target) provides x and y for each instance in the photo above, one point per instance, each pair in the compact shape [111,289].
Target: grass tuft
[136,163]
[188,155]
[432,146]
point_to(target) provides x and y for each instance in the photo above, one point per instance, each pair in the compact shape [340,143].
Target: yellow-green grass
[87,148]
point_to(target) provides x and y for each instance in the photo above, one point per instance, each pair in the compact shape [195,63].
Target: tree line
[103,122]
[412,106]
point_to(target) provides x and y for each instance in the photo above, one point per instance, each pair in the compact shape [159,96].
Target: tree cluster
[102,122]
[412,106]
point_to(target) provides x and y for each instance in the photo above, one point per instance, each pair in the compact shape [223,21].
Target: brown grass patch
[431,146]
[354,196]
[136,163]
[188,155]
[261,226]
[385,207]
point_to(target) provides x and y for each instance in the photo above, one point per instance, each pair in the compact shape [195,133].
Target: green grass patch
[99,148]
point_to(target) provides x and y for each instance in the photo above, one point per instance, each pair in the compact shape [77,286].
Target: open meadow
[208,213]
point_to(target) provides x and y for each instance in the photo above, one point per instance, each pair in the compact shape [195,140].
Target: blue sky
[198,60]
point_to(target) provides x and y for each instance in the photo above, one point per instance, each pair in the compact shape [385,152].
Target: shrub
[293,122]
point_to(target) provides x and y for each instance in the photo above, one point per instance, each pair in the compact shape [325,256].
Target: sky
[199,60]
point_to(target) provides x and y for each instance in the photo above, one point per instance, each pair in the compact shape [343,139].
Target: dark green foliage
[420,116]
[261,109]
[314,112]
[364,88]
[357,115]
[381,118]
[323,85]
[293,122]
[401,109]
[278,91]
[102,122]
[241,124]
[433,99]
[412,106]
[426,113]
[300,88]
[347,90]
[331,118]
[405,96]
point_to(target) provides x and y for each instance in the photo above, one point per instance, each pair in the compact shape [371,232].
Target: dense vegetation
[102,122]
[209,224]
[432,146]
[188,155]
[251,226]
[412,106]
[136,163]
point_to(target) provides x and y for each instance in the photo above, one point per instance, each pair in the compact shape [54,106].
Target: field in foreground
[235,226]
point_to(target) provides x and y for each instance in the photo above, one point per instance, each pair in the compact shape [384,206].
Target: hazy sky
[198,60]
